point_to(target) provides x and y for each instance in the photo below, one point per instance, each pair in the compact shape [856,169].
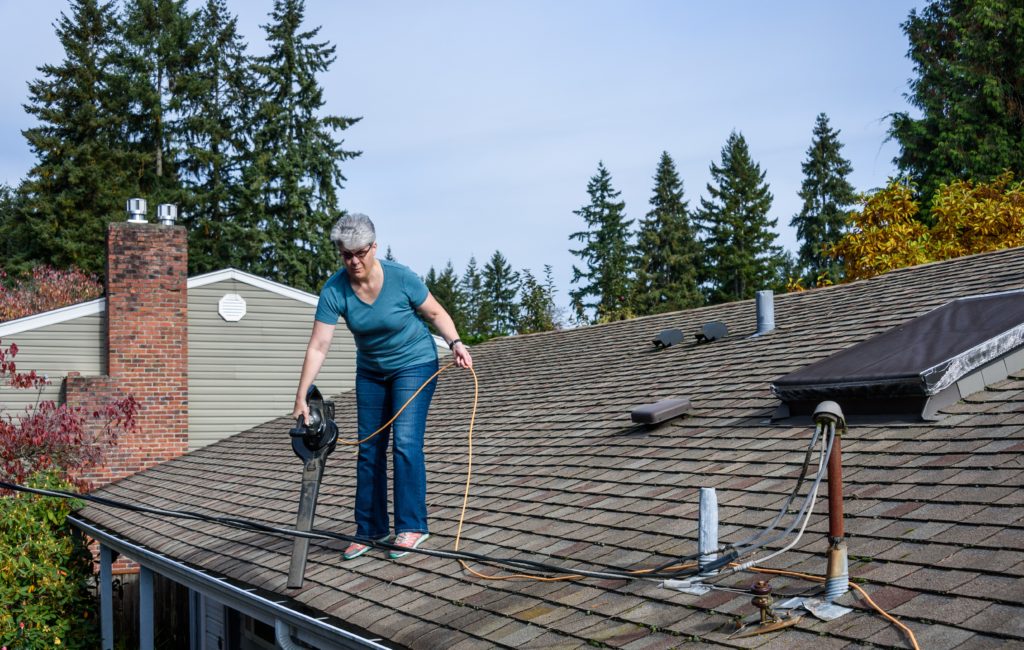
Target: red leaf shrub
[43,289]
[51,436]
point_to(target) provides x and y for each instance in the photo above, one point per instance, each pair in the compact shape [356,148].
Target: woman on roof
[384,305]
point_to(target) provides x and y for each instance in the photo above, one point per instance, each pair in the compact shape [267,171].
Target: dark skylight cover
[920,357]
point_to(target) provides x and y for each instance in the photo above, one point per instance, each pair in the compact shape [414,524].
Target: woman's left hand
[462,356]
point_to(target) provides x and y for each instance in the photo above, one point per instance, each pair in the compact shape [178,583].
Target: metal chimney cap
[136,209]
[166,214]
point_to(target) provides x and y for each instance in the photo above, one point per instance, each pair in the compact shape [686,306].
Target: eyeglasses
[348,256]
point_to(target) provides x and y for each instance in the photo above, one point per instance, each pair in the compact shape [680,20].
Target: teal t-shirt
[389,333]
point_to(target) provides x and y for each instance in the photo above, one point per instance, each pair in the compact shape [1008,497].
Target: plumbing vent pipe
[707,537]
[166,214]
[765,312]
[136,209]
[837,581]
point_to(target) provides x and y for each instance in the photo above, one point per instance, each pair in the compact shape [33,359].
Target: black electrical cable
[247,524]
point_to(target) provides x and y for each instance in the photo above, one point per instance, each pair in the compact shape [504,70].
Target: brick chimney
[147,346]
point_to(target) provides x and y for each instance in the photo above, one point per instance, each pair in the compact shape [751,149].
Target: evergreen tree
[156,56]
[827,196]
[606,252]
[499,310]
[82,175]
[216,112]
[967,60]
[293,180]
[445,288]
[537,311]
[741,256]
[389,256]
[472,288]
[11,230]
[667,251]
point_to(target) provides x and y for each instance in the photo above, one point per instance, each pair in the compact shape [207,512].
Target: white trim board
[255,281]
[99,305]
[52,317]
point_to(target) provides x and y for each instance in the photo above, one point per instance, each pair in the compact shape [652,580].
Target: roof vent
[136,209]
[712,332]
[919,367]
[765,312]
[661,411]
[668,338]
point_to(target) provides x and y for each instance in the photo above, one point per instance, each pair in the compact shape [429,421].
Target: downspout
[284,636]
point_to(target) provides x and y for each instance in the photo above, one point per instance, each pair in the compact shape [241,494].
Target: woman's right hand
[301,408]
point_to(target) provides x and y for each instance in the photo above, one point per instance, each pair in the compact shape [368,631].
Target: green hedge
[45,573]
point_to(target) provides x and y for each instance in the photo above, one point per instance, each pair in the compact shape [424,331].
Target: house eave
[250,601]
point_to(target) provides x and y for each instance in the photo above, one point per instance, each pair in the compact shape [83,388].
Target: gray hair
[353,231]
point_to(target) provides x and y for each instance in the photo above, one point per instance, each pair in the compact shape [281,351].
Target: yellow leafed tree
[969,218]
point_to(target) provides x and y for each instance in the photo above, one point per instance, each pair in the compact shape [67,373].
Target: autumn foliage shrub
[45,566]
[43,289]
[969,218]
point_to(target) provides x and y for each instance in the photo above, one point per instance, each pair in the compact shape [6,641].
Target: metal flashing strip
[252,603]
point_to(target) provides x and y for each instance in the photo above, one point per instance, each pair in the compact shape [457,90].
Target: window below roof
[918,368]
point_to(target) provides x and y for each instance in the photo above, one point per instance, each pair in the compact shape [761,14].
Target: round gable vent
[231,307]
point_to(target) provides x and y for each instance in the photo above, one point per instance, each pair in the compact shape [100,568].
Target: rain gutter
[251,603]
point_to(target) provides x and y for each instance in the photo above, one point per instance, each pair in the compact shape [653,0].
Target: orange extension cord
[526,576]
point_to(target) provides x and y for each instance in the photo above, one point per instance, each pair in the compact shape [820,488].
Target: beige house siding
[54,350]
[244,373]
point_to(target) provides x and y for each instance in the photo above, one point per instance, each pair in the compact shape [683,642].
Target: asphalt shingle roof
[934,511]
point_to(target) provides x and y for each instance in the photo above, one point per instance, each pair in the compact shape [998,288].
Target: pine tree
[216,112]
[156,56]
[828,196]
[12,231]
[741,256]
[537,311]
[499,311]
[389,256]
[606,252]
[295,174]
[969,79]
[472,288]
[446,290]
[667,251]
[83,175]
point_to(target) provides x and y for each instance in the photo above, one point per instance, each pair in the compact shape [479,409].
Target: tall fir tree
[83,174]
[537,311]
[12,228]
[968,85]
[293,179]
[741,256]
[472,287]
[606,254]
[667,250]
[157,55]
[216,112]
[444,286]
[499,310]
[828,196]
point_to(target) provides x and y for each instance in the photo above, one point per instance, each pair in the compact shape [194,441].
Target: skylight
[920,366]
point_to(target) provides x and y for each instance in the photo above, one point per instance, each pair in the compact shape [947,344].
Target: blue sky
[483,121]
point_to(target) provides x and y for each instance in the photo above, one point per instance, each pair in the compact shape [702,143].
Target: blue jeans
[377,398]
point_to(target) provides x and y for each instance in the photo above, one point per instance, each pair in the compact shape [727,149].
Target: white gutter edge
[223,590]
